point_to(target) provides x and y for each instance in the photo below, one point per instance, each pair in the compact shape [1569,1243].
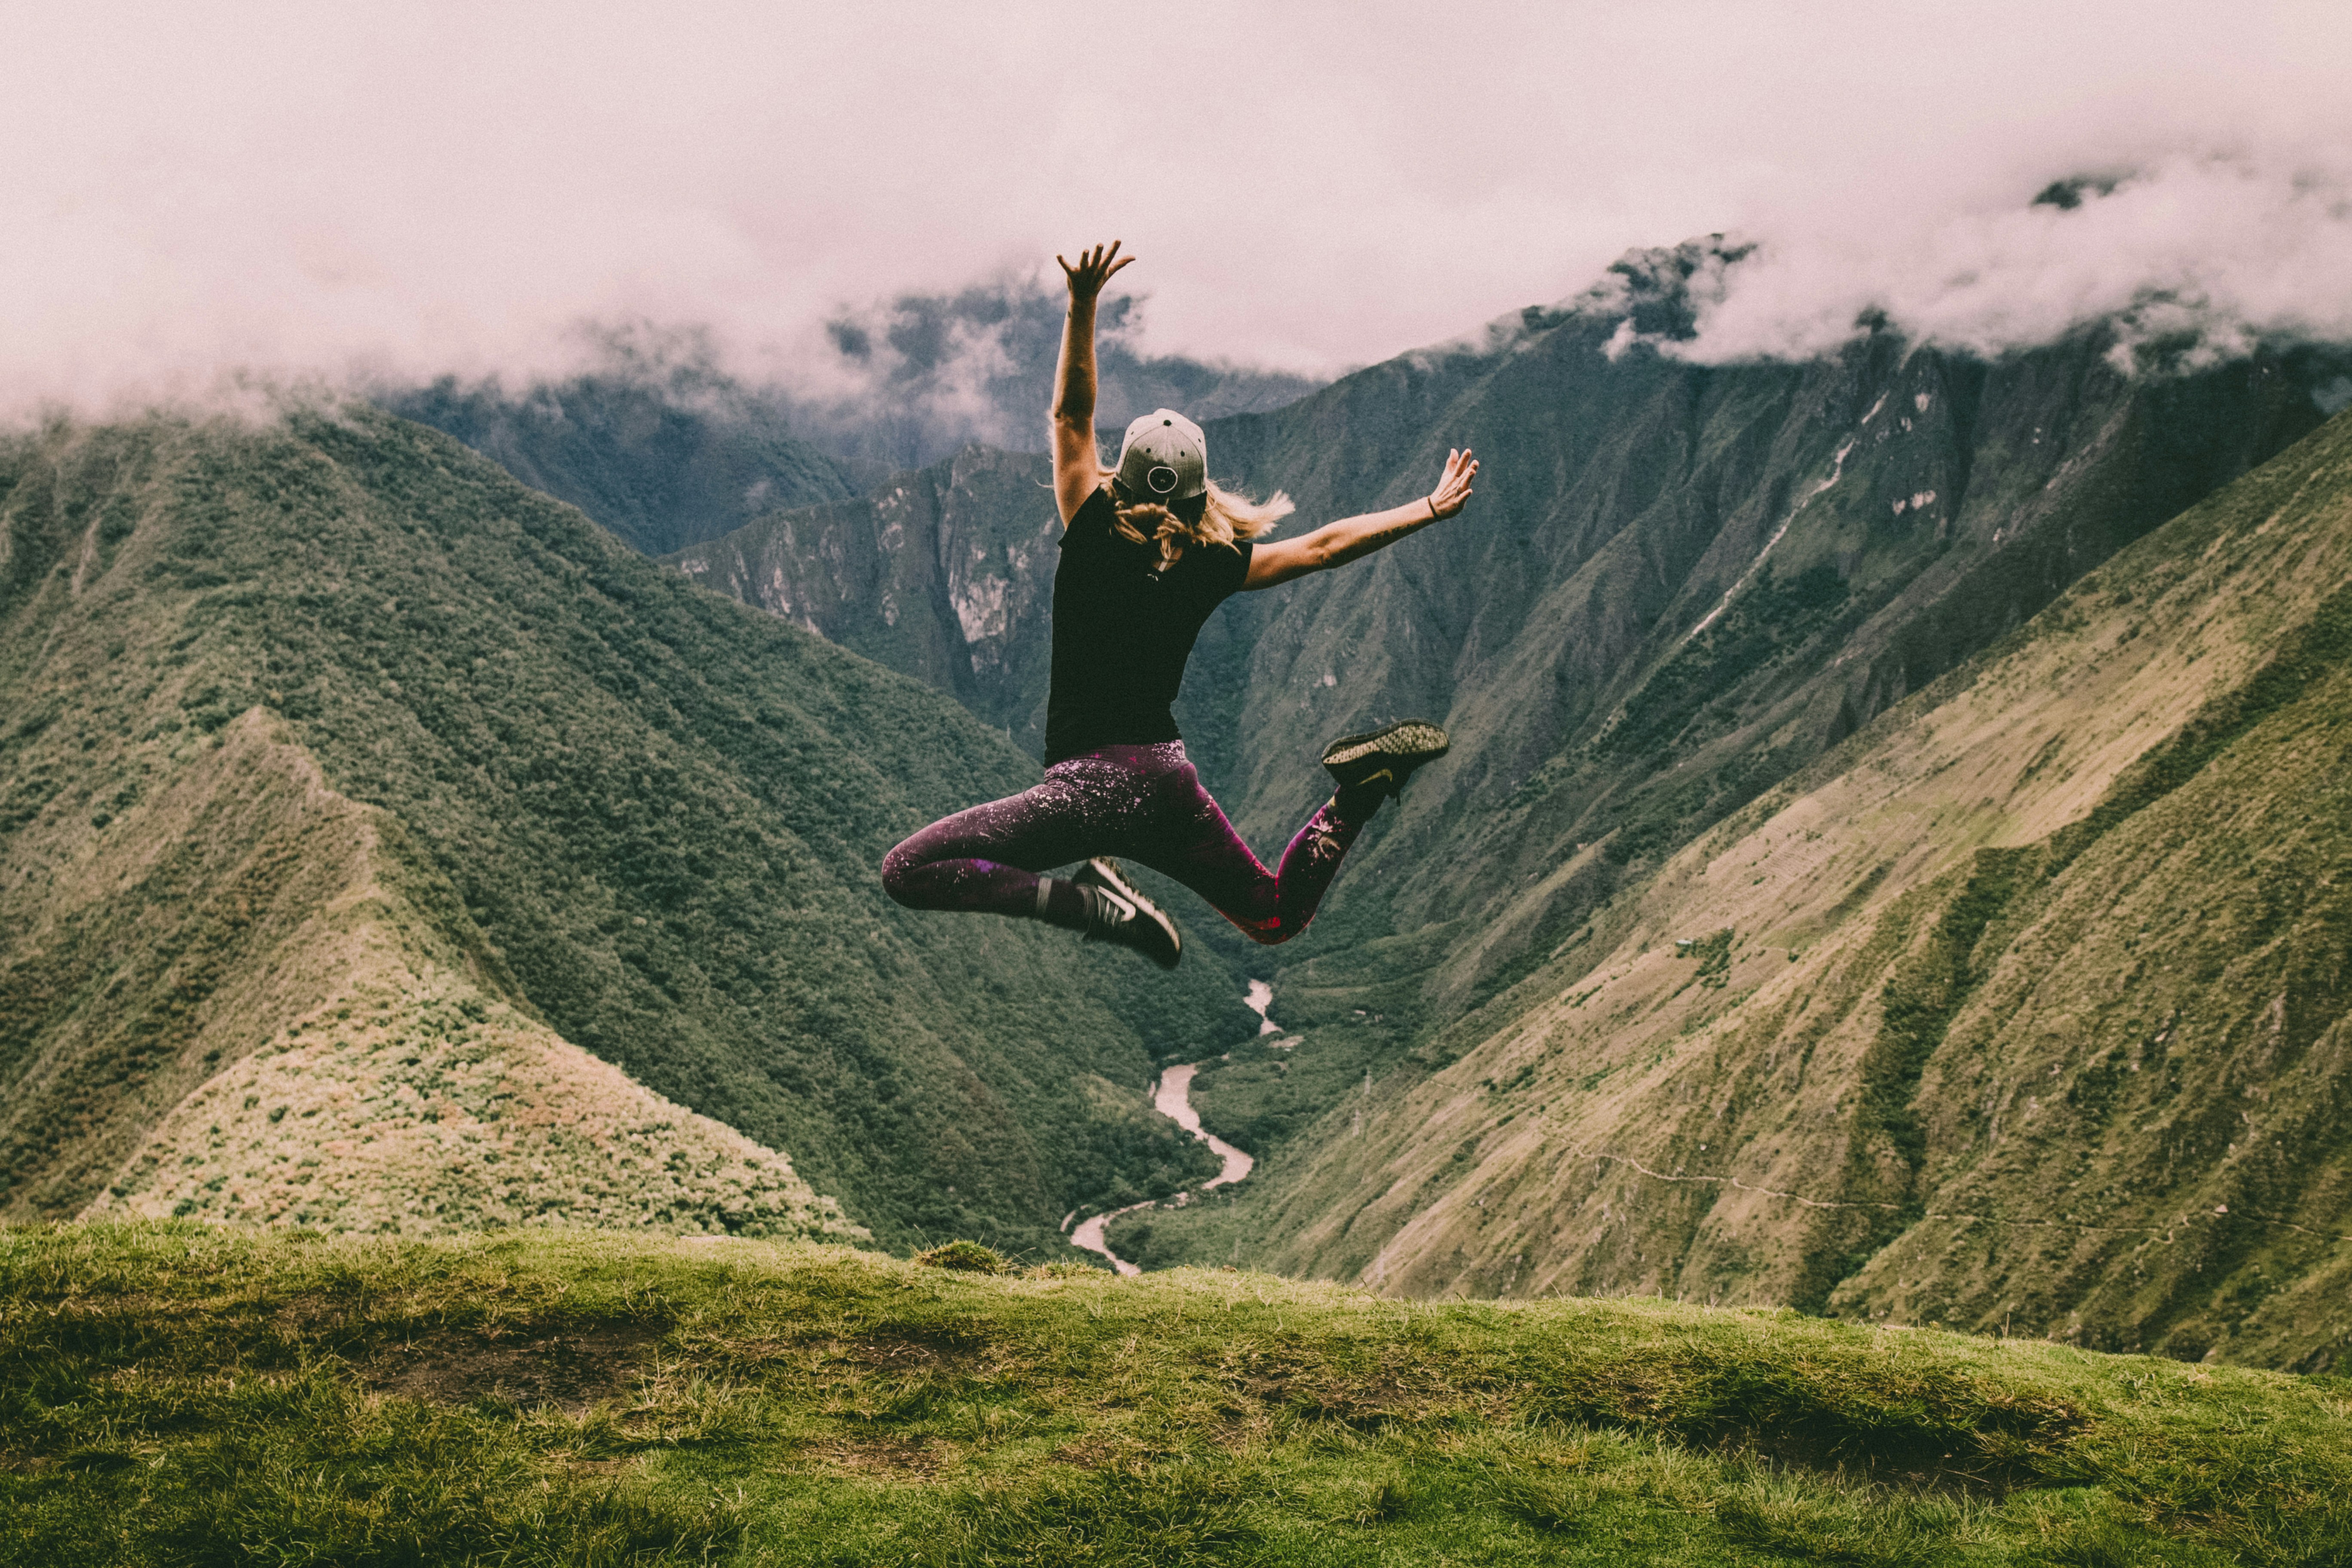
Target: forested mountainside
[1680,586]
[2029,1008]
[361,808]
[662,460]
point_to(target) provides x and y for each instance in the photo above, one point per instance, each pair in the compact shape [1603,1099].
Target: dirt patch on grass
[569,1368]
[1364,1398]
[930,1353]
[1943,1434]
[893,1459]
[1959,1473]
[1105,1451]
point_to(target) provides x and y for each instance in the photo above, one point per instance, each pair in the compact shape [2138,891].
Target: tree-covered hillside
[638,814]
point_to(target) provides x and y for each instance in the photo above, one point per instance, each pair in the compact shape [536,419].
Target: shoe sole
[1422,742]
[1106,875]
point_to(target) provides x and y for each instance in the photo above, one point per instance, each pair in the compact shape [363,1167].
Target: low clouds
[910,379]
[290,190]
[2199,259]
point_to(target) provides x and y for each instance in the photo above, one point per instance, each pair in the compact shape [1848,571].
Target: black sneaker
[1117,912]
[1383,759]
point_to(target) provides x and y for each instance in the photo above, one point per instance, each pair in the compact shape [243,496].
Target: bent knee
[898,867]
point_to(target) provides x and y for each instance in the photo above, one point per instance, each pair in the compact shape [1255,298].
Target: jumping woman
[1148,550]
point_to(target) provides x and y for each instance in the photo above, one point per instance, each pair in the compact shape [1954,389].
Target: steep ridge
[2026,1009]
[1682,583]
[622,812]
[668,449]
[1681,586]
[438,1107]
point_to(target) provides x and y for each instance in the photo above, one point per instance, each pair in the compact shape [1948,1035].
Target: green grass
[181,1395]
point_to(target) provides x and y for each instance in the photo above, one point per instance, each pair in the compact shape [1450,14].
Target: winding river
[1173,1097]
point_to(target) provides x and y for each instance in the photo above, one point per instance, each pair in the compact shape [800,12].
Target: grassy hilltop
[179,1395]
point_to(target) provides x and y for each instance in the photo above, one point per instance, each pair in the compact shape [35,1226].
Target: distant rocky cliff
[945,574]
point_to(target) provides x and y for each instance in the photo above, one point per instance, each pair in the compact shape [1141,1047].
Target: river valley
[1173,1097]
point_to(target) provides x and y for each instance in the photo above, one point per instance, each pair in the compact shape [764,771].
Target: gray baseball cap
[1165,457]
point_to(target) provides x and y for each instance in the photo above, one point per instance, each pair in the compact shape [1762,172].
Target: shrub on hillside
[966,1257]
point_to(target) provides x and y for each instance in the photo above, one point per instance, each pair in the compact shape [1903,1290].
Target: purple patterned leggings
[1139,803]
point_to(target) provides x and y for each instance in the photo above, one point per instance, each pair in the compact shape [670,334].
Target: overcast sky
[419,187]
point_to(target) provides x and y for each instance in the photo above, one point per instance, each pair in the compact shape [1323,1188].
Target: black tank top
[1122,631]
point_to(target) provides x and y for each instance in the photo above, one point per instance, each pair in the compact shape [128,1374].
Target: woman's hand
[1094,270]
[1452,491]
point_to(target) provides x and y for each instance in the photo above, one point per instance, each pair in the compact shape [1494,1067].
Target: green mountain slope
[2026,1009]
[1679,584]
[635,814]
[179,1396]
[234,1001]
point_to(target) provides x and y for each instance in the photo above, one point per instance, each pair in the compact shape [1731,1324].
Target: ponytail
[1220,518]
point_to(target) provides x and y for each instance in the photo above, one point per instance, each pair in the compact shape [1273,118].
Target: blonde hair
[1225,517]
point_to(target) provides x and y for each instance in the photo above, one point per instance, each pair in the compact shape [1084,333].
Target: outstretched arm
[1351,539]
[1078,465]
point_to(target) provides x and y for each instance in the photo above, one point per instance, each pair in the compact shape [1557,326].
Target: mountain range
[1888,862]
[2023,1009]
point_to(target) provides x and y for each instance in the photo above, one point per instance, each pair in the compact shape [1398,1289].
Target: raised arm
[1352,539]
[1078,464]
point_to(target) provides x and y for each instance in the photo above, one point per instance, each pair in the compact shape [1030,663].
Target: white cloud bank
[2208,255]
[189,191]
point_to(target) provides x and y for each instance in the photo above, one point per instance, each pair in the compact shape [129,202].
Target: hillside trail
[1173,1097]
